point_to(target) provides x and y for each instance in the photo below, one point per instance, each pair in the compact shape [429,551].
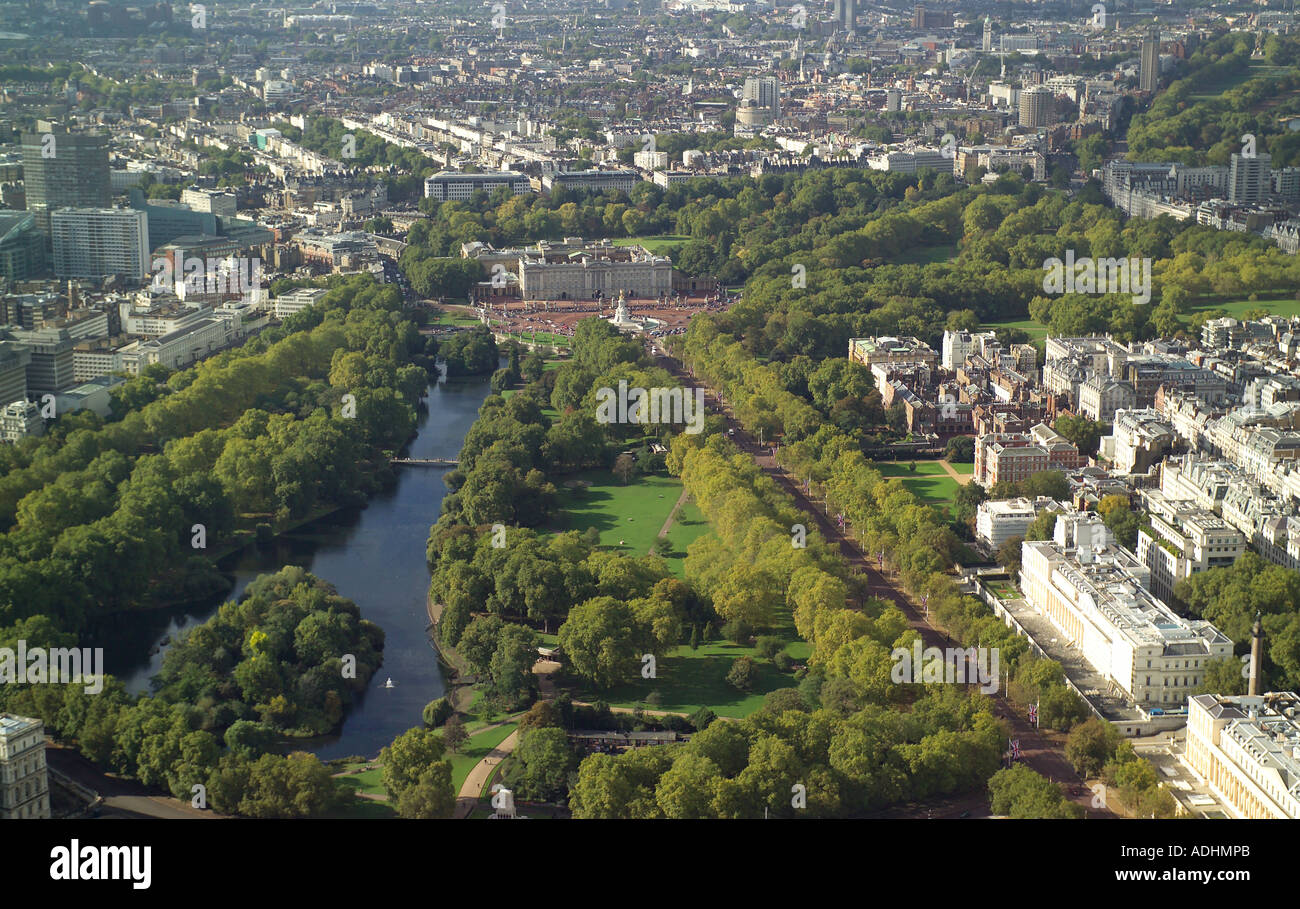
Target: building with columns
[1247,750]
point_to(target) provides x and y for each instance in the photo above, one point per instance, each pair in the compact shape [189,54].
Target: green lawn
[628,517]
[1257,69]
[543,337]
[930,483]
[965,469]
[368,782]
[1285,306]
[1004,590]
[475,750]
[656,243]
[688,526]
[447,318]
[687,680]
[1035,331]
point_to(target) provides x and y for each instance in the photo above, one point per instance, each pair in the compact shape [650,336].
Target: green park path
[668,522]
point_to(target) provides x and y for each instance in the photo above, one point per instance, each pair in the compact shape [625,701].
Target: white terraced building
[1095,593]
[1247,750]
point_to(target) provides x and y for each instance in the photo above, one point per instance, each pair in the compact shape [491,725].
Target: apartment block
[1178,542]
[999,520]
[98,242]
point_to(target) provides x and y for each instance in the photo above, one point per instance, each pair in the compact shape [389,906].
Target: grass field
[542,337]
[1004,590]
[656,243]
[1280,306]
[628,517]
[1035,331]
[687,680]
[688,526]
[930,483]
[446,318]
[368,782]
[475,750]
[1257,69]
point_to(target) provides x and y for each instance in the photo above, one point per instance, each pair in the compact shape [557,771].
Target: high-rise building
[97,242]
[988,35]
[24,781]
[1149,75]
[14,360]
[22,247]
[925,18]
[1035,107]
[64,170]
[763,92]
[849,14]
[1250,179]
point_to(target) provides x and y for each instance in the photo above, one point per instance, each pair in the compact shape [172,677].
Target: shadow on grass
[684,683]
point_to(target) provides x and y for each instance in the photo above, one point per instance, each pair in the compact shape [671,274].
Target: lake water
[375,556]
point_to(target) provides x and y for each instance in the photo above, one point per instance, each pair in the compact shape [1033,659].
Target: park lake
[375,556]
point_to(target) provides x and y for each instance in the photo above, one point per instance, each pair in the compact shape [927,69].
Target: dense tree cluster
[277,655]
[1020,793]
[839,274]
[1202,117]
[417,776]
[609,609]
[105,517]
[758,564]
[1230,597]
[847,759]
[228,693]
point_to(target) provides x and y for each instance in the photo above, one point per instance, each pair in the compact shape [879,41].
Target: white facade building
[1095,593]
[1247,750]
[999,520]
[24,781]
[296,301]
[97,242]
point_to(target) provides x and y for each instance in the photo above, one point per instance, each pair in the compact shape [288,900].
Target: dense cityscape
[649,409]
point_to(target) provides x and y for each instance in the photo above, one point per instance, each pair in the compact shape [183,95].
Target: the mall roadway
[1037,751]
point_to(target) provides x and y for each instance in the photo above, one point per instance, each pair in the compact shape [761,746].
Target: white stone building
[1095,593]
[24,782]
[1247,750]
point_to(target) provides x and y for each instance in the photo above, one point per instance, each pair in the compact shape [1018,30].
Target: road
[1039,752]
[122,798]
